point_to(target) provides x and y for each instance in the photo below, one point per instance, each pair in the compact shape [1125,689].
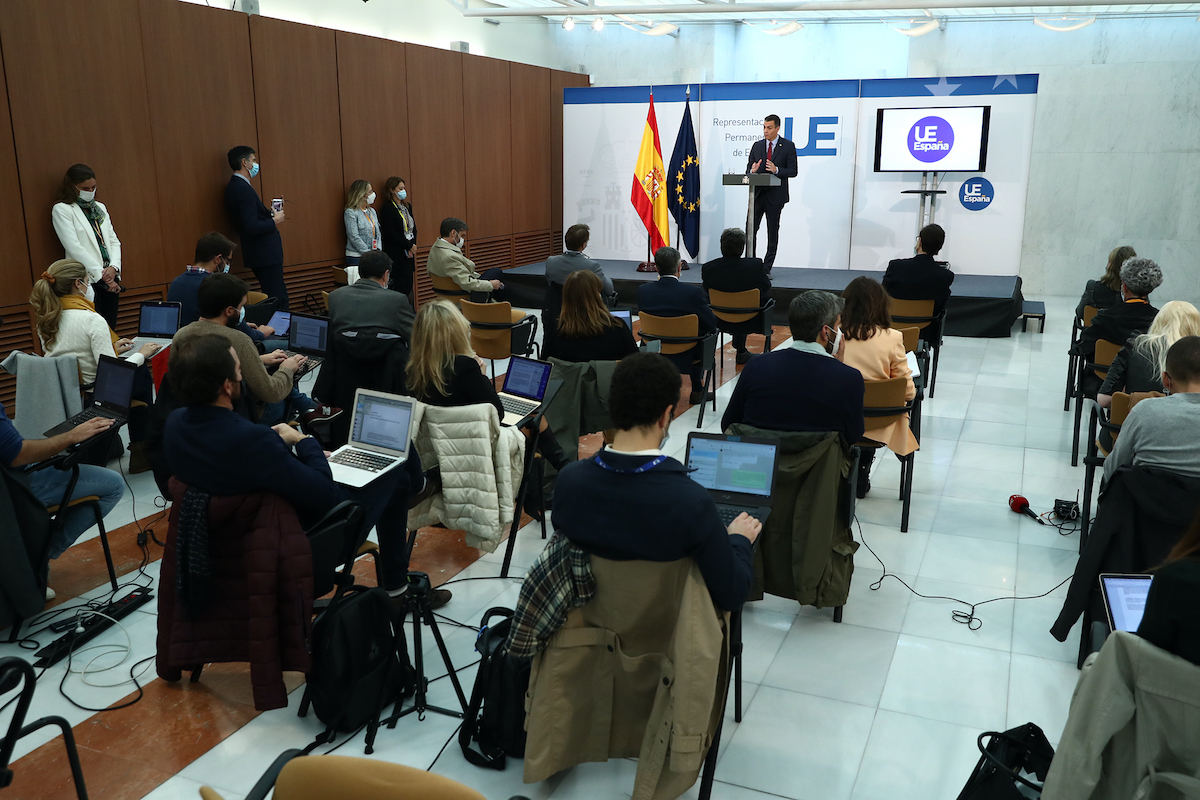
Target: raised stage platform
[982,305]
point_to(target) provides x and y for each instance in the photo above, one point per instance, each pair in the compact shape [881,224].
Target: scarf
[81,303]
[95,215]
[192,564]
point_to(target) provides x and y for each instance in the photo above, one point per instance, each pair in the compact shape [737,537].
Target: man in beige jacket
[446,260]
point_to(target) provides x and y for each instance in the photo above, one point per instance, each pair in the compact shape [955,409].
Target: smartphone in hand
[277,204]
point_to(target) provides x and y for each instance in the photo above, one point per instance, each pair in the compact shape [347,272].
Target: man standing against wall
[256,224]
[775,155]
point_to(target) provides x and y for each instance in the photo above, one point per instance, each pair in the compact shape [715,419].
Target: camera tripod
[419,594]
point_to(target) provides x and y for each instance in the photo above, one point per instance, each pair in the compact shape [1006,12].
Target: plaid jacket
[559,581]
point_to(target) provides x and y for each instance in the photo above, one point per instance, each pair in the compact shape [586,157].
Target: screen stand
[929,191]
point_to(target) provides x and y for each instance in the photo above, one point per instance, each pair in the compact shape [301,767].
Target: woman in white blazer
[876,349]
[86,232]
[68,325]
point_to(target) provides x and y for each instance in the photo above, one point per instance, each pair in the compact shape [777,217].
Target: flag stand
[648,265]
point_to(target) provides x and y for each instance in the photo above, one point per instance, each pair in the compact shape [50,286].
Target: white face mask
[836,343]
[462,241]
[370,198]
[87,197]
[89,294]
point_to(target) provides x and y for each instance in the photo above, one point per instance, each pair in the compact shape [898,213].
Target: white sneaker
[50,593]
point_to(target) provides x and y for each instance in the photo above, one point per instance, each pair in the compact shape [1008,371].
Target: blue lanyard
[649,465]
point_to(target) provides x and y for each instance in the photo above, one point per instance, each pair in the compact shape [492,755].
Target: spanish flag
[650,184]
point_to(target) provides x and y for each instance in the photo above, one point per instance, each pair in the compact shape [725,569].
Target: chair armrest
[497,326]
[675,339]
[887,411]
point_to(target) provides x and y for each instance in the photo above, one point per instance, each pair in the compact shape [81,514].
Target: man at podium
[775,155]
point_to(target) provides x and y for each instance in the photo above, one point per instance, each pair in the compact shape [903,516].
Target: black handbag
[1005,756]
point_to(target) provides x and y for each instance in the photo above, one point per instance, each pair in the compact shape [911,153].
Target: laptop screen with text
[1126,595]
[382,422]
[732,466]
[308,333]
[527,378]
[158,320]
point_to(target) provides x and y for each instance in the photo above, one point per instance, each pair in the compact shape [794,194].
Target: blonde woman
[362,223]
[1138,367]
[443,369]
[85,229]
[68,325]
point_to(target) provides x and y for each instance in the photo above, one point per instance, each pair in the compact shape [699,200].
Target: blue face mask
[402,194]
[254,169]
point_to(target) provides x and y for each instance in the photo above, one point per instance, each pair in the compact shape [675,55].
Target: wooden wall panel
[299,135]
[558,82]
[15,278]
[488,137]
[532,154]
[373,93]
[200,107]
[436,139]
[68,107]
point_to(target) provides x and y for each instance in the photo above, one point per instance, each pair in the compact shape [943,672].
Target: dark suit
[668,297]
[558,269]
[1115,324]
[738,275]
[770,200]
[262,249]
[368,307]
[790,390]
[920,278]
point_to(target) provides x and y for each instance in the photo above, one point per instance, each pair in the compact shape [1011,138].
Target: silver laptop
[157,323]
[738,471]
[1124,599]
[380,429]
[625,315]
[524,388]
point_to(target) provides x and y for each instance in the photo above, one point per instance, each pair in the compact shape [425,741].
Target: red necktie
[770,149]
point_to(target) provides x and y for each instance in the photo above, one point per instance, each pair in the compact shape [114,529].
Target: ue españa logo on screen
[976,194]
[930,139]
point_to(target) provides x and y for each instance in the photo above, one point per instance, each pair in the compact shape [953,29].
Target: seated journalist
[732,273]
[804,387]
[367,305]
[668,297]
[211,448]
[632,502]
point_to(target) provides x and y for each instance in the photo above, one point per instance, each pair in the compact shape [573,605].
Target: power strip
[93,625]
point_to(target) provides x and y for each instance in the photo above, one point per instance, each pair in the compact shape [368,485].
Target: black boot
[864,473]
[550,449]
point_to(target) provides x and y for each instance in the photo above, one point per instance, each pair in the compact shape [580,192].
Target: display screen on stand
[932,139]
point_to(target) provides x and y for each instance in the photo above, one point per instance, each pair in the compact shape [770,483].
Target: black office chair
[15,670]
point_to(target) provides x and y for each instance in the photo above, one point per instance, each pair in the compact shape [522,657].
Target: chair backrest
[1122,402]
[687,326]
[336,777]
[1106,351]
[335,540]
[912,338]
[253,298]
[880,398]
[447,288]
[489,342]
[1088,313]
[906,313]
[747,299]
[325,300]
[260,313]
[340,278]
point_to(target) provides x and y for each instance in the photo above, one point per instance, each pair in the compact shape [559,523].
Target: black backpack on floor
[496,716]
[359,661]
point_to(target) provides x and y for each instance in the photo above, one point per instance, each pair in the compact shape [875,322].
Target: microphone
[1020,505]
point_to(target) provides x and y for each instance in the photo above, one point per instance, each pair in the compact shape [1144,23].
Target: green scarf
[95,215]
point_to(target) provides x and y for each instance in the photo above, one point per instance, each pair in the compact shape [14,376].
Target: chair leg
[937,352]
[1078,422]
[906,484]
[703,400]
[540,477]
[112,572]
[837,613]
[710,763]
[735,624]
[721,352]
[516,523]
[1071,368]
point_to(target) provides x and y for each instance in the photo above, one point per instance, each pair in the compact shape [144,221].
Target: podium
[750,180]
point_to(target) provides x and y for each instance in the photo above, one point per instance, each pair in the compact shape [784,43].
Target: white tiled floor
[885,705]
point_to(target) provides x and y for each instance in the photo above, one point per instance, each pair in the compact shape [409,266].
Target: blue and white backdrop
[842,214]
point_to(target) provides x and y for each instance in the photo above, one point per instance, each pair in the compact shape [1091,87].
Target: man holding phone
[262,246]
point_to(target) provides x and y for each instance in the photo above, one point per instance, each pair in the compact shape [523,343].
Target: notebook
[308,336]
[738,471]
[524,387]
[1124,599]
[157,323]
[111,396]
[380,428]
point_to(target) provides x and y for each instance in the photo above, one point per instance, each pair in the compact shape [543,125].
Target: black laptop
[738,471]
[111,397]
[308,336]
[1124,599]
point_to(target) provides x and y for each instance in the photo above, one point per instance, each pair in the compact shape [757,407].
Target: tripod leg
[437,635]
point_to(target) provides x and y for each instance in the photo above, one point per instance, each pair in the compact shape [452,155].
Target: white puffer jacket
[481,464]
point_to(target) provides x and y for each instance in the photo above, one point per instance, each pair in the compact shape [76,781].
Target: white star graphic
[1006,79]
[942,87]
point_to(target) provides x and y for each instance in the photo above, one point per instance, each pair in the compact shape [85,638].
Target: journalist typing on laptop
[633,502]
[211,448]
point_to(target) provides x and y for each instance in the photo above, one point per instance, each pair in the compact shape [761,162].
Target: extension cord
[93,625]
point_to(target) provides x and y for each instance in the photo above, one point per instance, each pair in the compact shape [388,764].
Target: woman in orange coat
[876,349]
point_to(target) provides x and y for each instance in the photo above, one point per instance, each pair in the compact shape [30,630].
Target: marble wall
[1116,147]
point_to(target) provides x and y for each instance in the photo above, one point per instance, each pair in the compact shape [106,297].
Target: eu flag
[683,183]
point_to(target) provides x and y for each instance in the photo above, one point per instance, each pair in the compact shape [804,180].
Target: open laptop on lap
[625,315]
[112,395]
[380,429]
[1124,599]
[738,471]
[524,389]
[308,336]
[157,323]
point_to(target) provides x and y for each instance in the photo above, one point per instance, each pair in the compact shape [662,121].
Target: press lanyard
[373,237]
[649,465]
